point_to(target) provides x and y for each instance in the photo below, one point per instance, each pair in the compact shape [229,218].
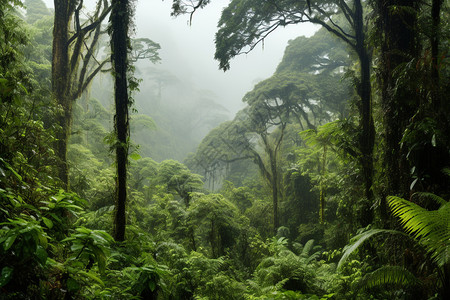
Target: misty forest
[121,179]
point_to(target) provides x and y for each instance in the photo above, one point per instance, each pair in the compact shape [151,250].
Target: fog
[187,51]
[185,93]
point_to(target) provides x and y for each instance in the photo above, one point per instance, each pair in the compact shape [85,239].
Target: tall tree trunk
[397,30]
[119,45]
[367,137]
[366,126]
[68,83]
[61,83]
[435,22]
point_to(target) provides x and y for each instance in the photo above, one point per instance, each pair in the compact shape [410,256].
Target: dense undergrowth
[213,236]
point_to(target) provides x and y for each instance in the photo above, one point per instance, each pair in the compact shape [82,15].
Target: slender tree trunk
[322,185]
[367,137]
[119,45]
[436,20]
[276,221]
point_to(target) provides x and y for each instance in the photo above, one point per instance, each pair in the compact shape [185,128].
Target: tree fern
[430,228]
[389,275]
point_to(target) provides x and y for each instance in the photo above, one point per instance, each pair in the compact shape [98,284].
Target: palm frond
[357,241]
[389,275]
[430,228]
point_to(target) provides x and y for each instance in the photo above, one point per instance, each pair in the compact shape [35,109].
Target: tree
[246,23]
[120,21]
[36,9]
[323,58]
[178,179]
[215,218]
[72,69]
[412,91]
[396,24]
[272,105]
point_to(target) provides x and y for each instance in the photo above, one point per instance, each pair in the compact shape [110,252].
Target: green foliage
[147,279]
[393,276]
[89,247]
[36,10]
[286,270]
[25,238]
[24,247]
[184,243]
[177,178]
[214,219]
[358,240]
[430,228]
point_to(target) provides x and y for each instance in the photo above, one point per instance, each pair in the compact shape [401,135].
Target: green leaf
[15,173]
[433,140]
[152,285]
[6,276]
[359,239]
[47,222]
[41,255]
[92,276]
[9,242]
[135,156]
[413,184]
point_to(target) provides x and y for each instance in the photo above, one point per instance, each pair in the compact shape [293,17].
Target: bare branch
[93,25]
[334,31]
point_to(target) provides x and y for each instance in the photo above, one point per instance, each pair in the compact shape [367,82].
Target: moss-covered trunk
[119,47]
[397,26]
[367,135]
[61,83]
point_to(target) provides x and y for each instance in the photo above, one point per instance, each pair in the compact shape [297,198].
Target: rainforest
[127,173]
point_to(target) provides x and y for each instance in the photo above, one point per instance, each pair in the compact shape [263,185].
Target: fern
[389,275]
[430,228]
[307,248]
[431,196]
[358,240]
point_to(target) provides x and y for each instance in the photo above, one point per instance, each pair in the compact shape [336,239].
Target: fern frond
[357,241]
[307,248]
[389,275]
[435,198]
[430,228]
[313,257]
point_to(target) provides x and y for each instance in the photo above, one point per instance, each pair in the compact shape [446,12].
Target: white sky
[188,51]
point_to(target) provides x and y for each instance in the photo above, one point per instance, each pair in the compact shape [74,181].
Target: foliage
[212,237]
[215,220]
[389,276]
[430,228]
[177,178]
